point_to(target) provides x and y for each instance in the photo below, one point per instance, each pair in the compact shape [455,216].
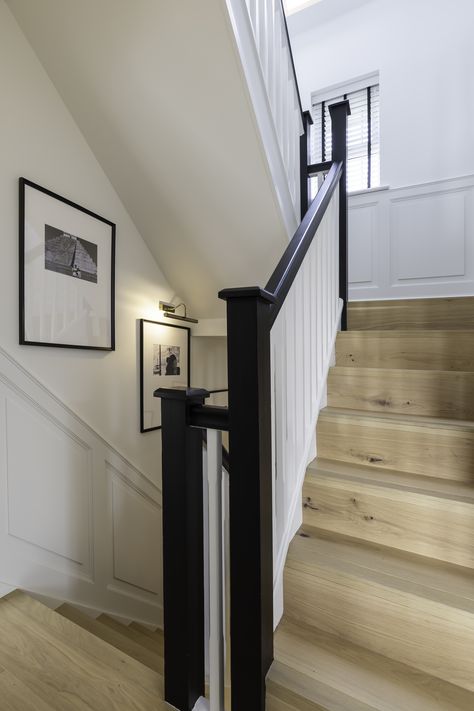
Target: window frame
[328,94]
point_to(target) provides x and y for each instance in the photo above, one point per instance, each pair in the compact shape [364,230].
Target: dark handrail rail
[317,168]
[287,268]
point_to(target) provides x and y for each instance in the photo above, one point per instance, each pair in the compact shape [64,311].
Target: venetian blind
[363,137]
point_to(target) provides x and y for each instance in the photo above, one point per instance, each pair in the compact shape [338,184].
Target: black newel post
[250,494]
[305,154]
[183,554]
[339,113]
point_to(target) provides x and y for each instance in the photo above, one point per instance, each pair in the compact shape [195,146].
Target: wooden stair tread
[443,583]
[444,313]
[434,393]
[393,479]
[156,634]
[365,595]
[153,645]
[340,676]
[427,446]
[409,421]
[431,517]
[116,639]
[424,349]
[17,696]
[67,668]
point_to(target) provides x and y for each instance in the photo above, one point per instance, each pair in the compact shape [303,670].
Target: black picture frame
[152,421]
[31,229]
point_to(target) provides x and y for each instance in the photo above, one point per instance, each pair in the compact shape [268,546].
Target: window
[363,141]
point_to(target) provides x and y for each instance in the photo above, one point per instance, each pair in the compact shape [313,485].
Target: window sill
[368,190]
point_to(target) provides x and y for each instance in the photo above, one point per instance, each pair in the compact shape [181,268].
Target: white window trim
[331,92]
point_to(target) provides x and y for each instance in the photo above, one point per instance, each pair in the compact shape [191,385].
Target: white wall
[81,485]
[423,51]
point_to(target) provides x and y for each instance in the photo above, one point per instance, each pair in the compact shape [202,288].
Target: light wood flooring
[65,661]
[379,581]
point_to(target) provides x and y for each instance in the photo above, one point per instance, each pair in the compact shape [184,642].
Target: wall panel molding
[423,243]
[61,533]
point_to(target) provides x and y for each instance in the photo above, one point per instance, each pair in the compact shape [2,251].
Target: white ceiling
[292,6]
[157,90]
[314,13]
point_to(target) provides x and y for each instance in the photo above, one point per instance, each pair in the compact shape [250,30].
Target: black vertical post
[250,494]
[305,153]
[183,554]
[339,113]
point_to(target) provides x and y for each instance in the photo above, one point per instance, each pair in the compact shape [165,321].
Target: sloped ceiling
[309,14]
[157,89]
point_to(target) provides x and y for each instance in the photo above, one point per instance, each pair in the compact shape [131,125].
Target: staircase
[379,582]
[64,660]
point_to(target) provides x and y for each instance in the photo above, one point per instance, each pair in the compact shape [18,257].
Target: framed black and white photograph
[67,272]
[164,363]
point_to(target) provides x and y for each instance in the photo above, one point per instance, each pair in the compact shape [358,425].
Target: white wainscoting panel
[78,522]
[363,225]
[135,562]
[418,241]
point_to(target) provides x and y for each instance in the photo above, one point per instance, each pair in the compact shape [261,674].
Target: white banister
[216,579]
[260,30]
[302,343]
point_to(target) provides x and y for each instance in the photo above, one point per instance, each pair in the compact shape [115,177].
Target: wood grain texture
[353,678]
[427,523]
[118,640]
[62,673]
[16,696]
[154,645]
[448,313]
[94,647]
[420,350]
[429,393]
[380,611]
[425,446]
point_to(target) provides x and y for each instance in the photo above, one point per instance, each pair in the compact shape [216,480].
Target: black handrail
[287,268]
[281,280]
[317,168]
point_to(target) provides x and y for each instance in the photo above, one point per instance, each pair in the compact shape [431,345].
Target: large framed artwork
[164,362]
[67,273]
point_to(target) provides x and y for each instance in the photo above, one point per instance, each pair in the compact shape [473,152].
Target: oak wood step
[118,640]
[419,445]
[153,645]
[429,393]
[420,350]
[408,512]
[315,670]
[446,313]
[66,668]
[156,635]
[368,597]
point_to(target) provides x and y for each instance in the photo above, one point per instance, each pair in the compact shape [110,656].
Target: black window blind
[363,136]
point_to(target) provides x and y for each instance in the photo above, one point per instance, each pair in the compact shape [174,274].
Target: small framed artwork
[164,362]
[67,273]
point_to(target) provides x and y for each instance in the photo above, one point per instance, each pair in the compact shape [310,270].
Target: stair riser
[446,395]
[443,314]
[447,453]
[439,528]
[431,350]
[424,634]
